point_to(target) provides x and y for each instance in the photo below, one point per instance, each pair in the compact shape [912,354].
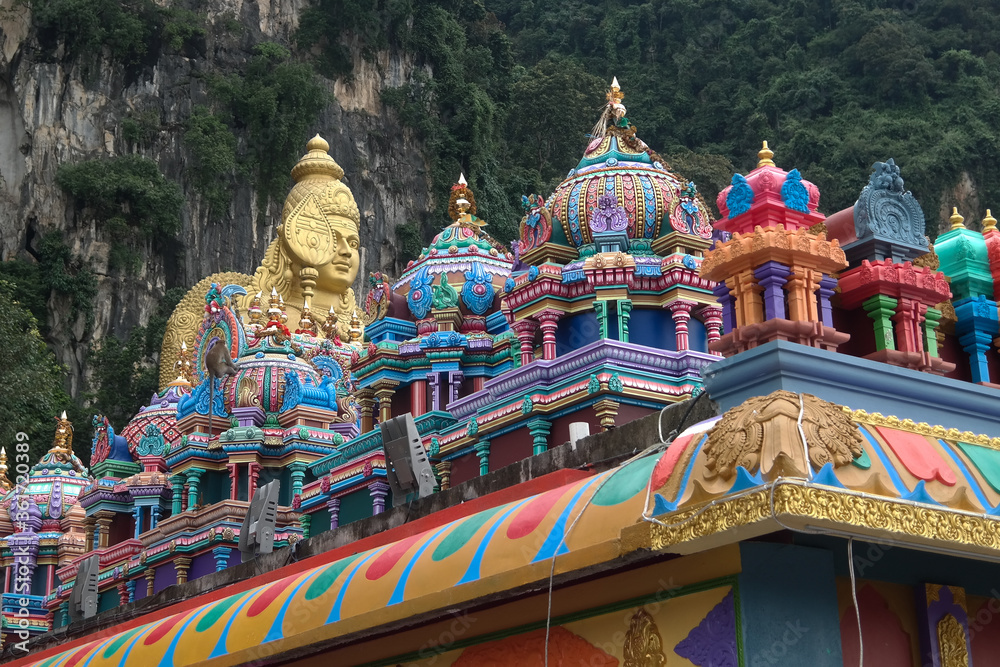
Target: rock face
[56,110]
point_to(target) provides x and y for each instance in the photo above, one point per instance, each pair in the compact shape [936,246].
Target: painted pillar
[366,402]
[6,579]
[548,321]
[221,555]
[50,578]
[384,396]
[483,452]
[130,587]
[305,522]
[122,594]
[455,380]
[747,303]
[801,288]
[931,320]
[137,514]
[943,622]
[908,319]
[539,430]
[880,309]
[601,309]
[711,317]
[624,315]
[297,471]
[525,331]
[418,397]
[378,491]
[154,516]
[182,565]
[680,311]
[333,506]
[150,578]
[788,606]
[104,518]
[606,410]
[478,383]
[177,486]
[435,383]
[726,306]
[193,476]
[64,610]
[825,292]
[253,472]
[976,327]
[443,470]
[88,531]
[772,276]
[234,480]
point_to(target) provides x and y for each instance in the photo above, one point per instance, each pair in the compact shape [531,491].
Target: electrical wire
[854,596]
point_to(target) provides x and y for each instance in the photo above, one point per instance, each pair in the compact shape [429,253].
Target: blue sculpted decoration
[532,272]
[478,292]
[328,366]
[323,396]
[794,193]
[198,400]
[443,339]
[420,296]
[293,392]
[152,443]
[508,285]
[740,196]
[886,210]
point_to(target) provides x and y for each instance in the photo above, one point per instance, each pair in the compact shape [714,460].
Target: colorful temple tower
[834,491]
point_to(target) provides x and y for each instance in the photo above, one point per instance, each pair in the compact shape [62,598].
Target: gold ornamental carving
[923,428]
[847,510]
[763,434]
[248,393]
[952,642]
[643,643]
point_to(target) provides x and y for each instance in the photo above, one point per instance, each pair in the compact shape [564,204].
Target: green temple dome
[965,259]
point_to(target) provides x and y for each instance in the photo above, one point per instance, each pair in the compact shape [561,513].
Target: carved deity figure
[313,258]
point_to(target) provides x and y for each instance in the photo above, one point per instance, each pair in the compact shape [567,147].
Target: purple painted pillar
[721,292]
[378,491]
[333,506]
[434,380]
[772,276]
[825,291]
[455,380]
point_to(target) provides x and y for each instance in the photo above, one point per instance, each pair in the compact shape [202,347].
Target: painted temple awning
[785,461]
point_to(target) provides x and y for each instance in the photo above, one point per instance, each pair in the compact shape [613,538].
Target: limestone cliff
[56,109]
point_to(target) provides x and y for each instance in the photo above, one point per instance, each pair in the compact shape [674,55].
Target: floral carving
[952,642]
[643,643]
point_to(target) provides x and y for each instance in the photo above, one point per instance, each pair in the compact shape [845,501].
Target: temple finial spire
[957,221]
[764,156]
[989,222]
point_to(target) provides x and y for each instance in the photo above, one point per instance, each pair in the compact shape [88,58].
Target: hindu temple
[659,436]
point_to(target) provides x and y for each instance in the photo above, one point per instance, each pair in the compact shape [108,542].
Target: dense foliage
[130,199]
[30,367]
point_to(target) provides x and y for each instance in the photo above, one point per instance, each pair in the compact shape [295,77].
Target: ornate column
[88,531]
[880,308]
[607,410]
[64,610]
[624,316]
[384,390]
[726,306]
[154,516]
[193,476]
[772,276]
[483,452]
[825,292]
[455,380]
[297,471]
[802,286]
[137,514]
[444,474]
[711,317]
[122,594]
[182,565]
[548,321]
[177,486]
[478,383]
[253,473]
[221,555]
[234,480]
[150,578]
[333,506]
[525,331]
[378,492]
[745,292]
[908,319]
[130,587]
[434,379]
[104,518]
[305,522]
[366,402]
[418,397]
[680,311]
[539,430]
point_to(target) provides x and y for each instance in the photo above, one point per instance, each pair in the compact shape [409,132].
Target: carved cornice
[922,428]
[799,505]
[798,247]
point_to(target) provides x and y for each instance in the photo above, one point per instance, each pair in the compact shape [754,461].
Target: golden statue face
[340,273]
